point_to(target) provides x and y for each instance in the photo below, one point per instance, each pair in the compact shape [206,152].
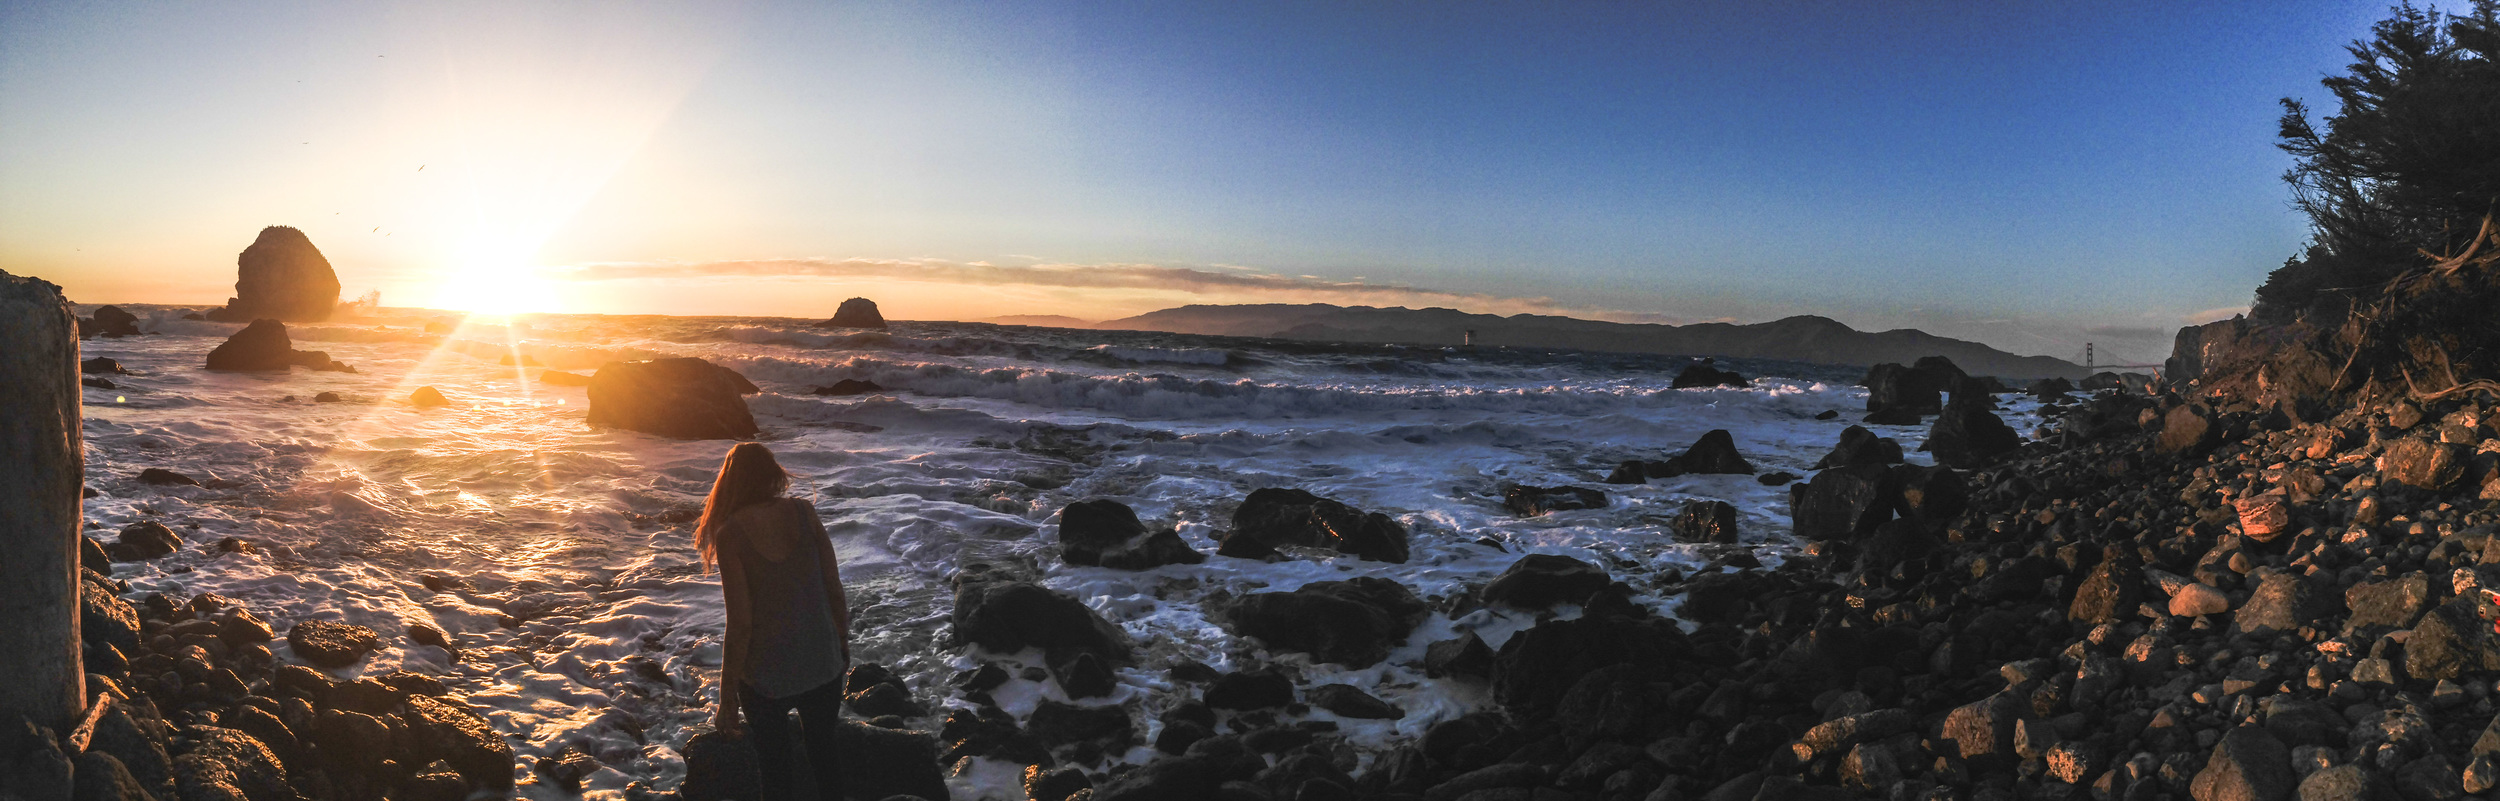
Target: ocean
[558,555]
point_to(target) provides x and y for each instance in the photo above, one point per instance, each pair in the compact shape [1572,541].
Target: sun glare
[495,289]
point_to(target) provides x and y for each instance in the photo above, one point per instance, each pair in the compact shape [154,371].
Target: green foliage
[2409,163]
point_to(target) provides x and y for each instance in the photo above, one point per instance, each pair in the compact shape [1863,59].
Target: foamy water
[523,514]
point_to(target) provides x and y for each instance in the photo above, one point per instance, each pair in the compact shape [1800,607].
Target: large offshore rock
[680,398]
[259,347]
[855,313]
[281,276]
[1903,390]
[1859,446]
[1715,452]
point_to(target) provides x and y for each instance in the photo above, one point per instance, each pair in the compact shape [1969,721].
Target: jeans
[820,714]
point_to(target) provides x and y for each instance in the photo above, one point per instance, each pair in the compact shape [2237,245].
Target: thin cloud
[2128,332]
[2212,315]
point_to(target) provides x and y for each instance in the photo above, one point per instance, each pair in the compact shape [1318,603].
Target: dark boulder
[146,539]
[855,313]
[447,730]
[2247,765]
[1353,622]
[101,365]
[1968,435]
[1106,533]
[2452,640]
[1843,502]
[227,764]
[1539,580]
[2047,388]
[1083,675]
[1466,656]
[1632,471]
[1903,390]
[427,398]
[1715,452]
[1705,374]
[92,382]
[1537,667]
[1931,494]
[1274,517]
[105,618]
[883,763]
[1265,689]
[2423,463]
[1859,446]
[110,322]
[1348,701]
[2187,430]
[1528,501]
[2284,602]
[281,276]
[2110,593]
[260,347]
[849,386]
[2386,604]
[720,766]
[331,645]
[100,777]
[1706,521]
[1168,779]
[1009,616]
[1058,724]
[679,398]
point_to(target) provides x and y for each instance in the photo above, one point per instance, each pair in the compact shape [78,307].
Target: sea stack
[281,277]
[41,467]
[680,398]
[855,313]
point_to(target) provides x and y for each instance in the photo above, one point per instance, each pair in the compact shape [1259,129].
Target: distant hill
[1039,321]
[1803,338]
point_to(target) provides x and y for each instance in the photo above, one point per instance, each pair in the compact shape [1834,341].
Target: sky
[2032,175]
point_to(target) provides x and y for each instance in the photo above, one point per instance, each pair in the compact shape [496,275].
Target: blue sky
[2032,175]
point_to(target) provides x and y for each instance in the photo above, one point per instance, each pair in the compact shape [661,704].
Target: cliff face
[1803,338]
[2427,334]
[281,277]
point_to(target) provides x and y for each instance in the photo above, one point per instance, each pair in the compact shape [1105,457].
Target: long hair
[748,475]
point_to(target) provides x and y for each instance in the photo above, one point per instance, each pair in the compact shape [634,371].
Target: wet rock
[1477,783]
[1967,435]
[1843,502]
[110,322]
[1706,521]
[105,618]
[445,730]
[427,398]
[1347,701]
[1169,778]
[1273,517]
[2050,388]
[559,378]
[1715,452]
[1706,375]
[146,539]
[100,777]
[330,644]
[1352,622]
[679,398]
[1049,784]
[160,477]
[101,365]
[1538,581]
[2449,641]
[847,387]
[1528,501]
[1776,478]
[2249,764]
[1009,616]
[1059,724]
[260,347]
[719,767]
[1107,533]
[882,699]
[91,556]
[1859,446]
[1535,668]
[140,750]
[2423,463]
[883,763]
[1903,390]
[1465,656]
[92,382]
[227,764]
[1084,676]
[1252,690]
[855,313]
[328,397]
[2430,778]
[1630,472]
[281,276]
[1984,729]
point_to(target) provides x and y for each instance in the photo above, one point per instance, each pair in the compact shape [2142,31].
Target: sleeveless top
[794,645]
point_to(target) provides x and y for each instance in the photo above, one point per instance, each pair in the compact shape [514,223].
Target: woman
[789,626]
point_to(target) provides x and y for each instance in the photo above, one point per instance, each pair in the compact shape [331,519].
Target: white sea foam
[577,537]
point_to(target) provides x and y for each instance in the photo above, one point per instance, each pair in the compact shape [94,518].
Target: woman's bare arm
[733,666]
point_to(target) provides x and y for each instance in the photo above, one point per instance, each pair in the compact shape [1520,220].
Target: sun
[495,288]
